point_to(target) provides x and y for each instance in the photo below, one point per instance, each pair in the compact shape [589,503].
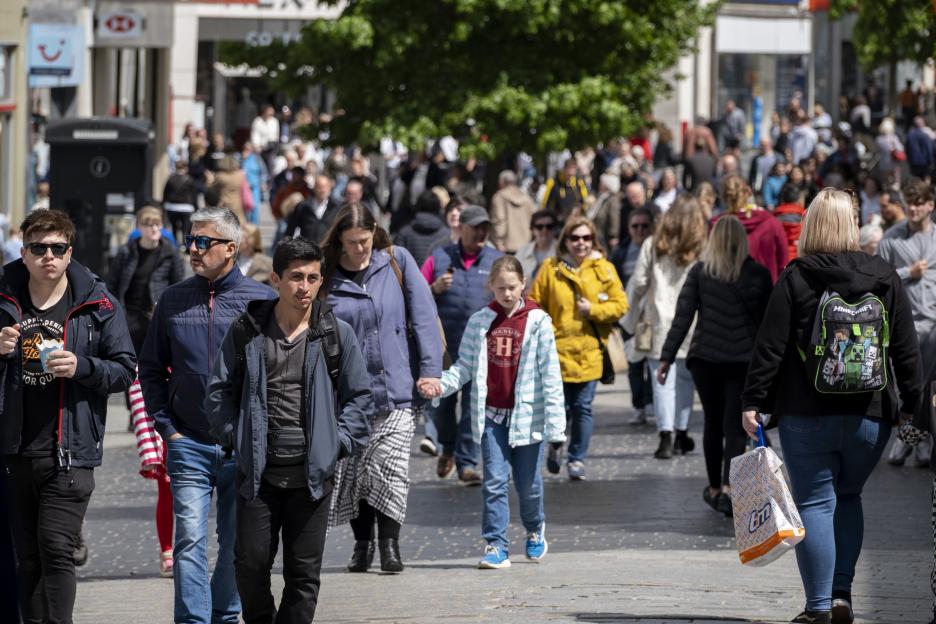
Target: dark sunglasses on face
[544,226]
[40,249]
[640,226]
[586,238]
[204,242]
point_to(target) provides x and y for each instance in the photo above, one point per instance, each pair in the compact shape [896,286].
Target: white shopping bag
[766,521]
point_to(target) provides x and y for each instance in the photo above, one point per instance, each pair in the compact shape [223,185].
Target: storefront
[763,62]
[13,108]
[222,98]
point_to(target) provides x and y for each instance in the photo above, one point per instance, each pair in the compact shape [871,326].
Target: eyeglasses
[204,242]
[544,226]
[585,238]
[40,249]
[640,226]
[157,224]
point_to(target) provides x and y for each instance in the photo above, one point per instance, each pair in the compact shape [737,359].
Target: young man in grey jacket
[290,394]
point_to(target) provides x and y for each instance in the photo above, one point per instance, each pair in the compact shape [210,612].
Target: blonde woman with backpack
[834,399]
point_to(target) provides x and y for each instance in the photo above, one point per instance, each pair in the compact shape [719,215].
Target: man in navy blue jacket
[64,346]
[181,346]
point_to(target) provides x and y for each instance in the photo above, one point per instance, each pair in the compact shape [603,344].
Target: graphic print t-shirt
[41,330]
[504,341]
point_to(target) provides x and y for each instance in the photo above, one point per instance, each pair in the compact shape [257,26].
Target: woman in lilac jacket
[379,291]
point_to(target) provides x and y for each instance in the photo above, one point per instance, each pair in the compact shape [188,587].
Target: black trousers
[638,375]
[723,438]
[47,508]
[303,522]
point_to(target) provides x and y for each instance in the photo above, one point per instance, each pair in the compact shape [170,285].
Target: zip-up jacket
[378,312]
[777,381]
[168,270]
[539,411]
[334,416]
[96,332]
[182,342]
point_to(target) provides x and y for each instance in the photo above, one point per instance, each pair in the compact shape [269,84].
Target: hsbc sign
[119,25]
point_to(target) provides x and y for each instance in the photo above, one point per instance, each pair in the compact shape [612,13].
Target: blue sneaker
[536,545]
[494,559]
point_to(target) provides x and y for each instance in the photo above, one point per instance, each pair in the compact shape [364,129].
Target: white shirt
[264,133]
[319,209]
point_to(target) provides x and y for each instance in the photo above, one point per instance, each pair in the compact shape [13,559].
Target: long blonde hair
[726,251]
[829,225]
[681,233]
[736,193]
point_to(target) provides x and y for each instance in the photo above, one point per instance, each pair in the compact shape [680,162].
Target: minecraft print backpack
[847,349]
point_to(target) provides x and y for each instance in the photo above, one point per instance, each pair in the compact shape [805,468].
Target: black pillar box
[100,174]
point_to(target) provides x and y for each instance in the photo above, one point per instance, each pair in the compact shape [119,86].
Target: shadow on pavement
[623,618]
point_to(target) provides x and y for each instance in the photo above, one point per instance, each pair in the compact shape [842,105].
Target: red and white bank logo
[119,25]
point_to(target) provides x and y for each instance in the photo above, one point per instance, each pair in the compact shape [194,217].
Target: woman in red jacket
[767,239]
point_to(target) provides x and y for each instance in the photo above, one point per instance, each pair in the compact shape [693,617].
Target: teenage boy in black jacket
[64,346]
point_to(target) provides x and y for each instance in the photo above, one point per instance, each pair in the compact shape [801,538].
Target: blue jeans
[672,402]
[454,432]
[829,458]
[500,459]
[195,470]
[578,401]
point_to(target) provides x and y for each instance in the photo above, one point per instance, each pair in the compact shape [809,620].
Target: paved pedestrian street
[633,543]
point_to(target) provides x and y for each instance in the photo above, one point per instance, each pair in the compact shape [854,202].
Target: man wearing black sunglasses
[181,345]
[64,346]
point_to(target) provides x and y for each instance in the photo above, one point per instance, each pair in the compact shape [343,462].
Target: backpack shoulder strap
[331,344]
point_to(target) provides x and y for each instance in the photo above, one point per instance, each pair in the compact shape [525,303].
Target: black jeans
[47,508]
[719,387]
[638,376]
[303,522]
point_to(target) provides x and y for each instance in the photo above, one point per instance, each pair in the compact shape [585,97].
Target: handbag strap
[591,323]
[761,441]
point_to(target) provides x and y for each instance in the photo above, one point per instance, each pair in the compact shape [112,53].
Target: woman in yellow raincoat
[581,291]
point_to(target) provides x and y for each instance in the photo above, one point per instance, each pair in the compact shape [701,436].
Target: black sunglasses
[40,249]
[544,226]
[204,242]
[640,226]
[587,238]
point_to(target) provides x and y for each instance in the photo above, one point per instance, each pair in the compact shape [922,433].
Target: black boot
[390,555]
[362,557]
[665,450]
[683,443]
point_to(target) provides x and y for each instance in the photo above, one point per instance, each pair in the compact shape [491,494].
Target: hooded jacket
[335,417]
[511,211]
[539,411]
[96,332]
[556,287]
[777,381]
[380,313]
[421,235]
[767,240]
[182,343]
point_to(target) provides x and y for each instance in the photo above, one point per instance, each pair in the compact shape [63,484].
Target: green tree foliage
[501,75]
[890,31]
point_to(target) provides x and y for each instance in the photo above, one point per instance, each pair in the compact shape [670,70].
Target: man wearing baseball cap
[458,274]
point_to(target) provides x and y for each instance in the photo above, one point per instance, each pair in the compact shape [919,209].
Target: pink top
[428,267]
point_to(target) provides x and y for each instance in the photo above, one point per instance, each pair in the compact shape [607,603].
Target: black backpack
[243,331]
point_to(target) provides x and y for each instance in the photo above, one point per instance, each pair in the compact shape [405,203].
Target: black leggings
[719,387]
[363,524]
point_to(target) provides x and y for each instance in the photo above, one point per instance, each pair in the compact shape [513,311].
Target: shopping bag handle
[760,436]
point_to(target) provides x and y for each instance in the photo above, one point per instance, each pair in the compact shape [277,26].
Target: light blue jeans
[500,459]
[672,402]
[195,471]
[829,458]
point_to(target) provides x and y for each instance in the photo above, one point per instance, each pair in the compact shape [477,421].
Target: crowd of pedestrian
[284,380]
